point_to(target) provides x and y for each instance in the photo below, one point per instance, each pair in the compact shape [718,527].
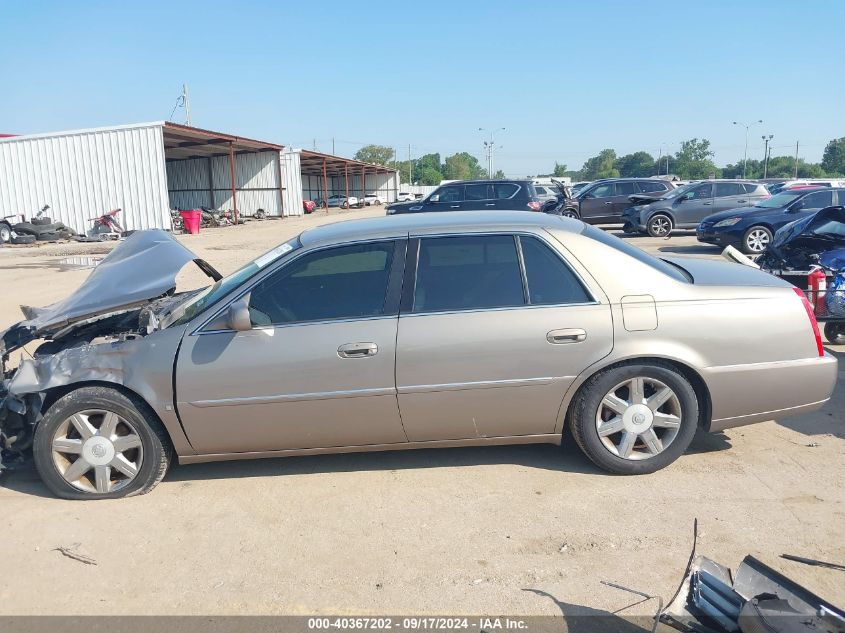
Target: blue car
[750,229]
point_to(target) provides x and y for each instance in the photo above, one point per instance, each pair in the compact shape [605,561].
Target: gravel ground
[504,530]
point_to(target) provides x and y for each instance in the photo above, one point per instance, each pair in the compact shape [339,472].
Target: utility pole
[659,158]
[315,144]
[490,147]
[410,173]
[795,172]
[187,103]
[333,152]
[747,127]
[766,140]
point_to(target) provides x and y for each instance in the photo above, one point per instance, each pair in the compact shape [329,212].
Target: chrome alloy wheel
[660,225]
[638,418]
[757,240]
[97,451]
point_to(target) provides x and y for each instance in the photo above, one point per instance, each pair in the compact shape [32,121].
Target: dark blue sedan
[751,228]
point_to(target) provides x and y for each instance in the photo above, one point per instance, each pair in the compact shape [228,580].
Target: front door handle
[490,204]
[742,200]
[569,335]
[608,203]
[357,350]
[455,206]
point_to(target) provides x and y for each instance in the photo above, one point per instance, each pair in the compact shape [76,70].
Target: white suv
[404,196]
[373,198]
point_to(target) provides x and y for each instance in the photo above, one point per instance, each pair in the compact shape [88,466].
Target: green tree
[462,166]
[833,159]
[601,166]
[378,154]
[694,160]
[499,175]
[636,165]
[560,170]
[427,170]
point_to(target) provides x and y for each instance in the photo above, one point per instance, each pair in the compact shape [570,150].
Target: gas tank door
[639,313]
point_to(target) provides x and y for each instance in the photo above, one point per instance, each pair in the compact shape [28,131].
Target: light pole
[488,147]
[766,140]
[747,126]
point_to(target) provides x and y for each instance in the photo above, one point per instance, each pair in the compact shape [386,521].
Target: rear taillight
[534,206]
[813,323]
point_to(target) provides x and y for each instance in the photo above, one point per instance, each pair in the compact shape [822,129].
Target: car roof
[446,222]
[487,180]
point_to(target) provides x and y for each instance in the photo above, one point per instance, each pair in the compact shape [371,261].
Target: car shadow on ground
[580,618]
[829,419]
[675,233]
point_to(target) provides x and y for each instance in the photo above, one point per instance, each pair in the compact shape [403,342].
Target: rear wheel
[756,240]
[97,443]
[659,225]
[570,213]
[5,233]
[834,332]
[634,419]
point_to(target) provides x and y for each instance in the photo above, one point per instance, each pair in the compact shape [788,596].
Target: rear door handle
[455,206]
[569,335]
[490,204]
[357,350]
[742,200]
[608,203]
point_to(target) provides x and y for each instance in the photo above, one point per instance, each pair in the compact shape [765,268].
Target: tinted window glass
[477,192]
[640,255]
[451,194]
[750,188]
[540,190]
[724,189]
[818,200]
[502,191]
[701,192]
[550,281]
[465,273]
[337,283]
[650,187]
[602,191]
[625,188]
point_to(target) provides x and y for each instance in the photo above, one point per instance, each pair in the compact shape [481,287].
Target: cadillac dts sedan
[416,331]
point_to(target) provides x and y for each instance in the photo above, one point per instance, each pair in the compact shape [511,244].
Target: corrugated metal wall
[207,182]
[84,174]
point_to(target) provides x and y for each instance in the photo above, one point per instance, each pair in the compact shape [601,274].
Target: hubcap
[757,241]
[660,226]
[97,451]
[638,418]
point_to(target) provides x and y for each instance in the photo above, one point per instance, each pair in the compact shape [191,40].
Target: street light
[766,152]
[747,127]
[488,148]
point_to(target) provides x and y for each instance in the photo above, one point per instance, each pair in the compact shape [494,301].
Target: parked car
[751,229]
[373,199]
[603,201]
[777,187]
[475,195]
[425,330]
[339,200]
[404,196]
[575,187]
[546,192]
[687,208]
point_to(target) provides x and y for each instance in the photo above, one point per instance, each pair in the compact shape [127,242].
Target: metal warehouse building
[148,168]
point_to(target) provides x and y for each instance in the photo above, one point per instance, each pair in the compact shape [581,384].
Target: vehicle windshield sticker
[269,256]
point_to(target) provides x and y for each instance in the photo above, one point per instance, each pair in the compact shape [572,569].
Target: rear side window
[477,192]
[466,273]
[724,189]
[651,187]
[625,188]
[752,188]
[550,280]
[817,200]
[502,191]
[336,283]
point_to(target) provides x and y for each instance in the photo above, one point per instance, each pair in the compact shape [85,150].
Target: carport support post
[363,181]
[232,177]
[325,186]
[346,175]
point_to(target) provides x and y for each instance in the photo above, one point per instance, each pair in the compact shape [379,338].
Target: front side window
[451,194]
[477,192]
[467,273]
[337,283]
[817,200]
[701,192]
[602,191]
[550,280]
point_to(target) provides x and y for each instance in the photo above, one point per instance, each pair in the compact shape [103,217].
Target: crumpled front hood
[140,269]
[803,241]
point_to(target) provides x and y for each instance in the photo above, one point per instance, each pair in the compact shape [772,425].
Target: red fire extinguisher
[817,288]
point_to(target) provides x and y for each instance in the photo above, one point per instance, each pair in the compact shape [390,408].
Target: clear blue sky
[565,79]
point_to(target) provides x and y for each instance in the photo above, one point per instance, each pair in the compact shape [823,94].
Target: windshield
[780,200]
[678,192]
[207,297]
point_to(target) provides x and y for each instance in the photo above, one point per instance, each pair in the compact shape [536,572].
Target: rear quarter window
[632,251]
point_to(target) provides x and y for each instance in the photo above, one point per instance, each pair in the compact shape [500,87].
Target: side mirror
[237,316]
[796,207]
[434,198]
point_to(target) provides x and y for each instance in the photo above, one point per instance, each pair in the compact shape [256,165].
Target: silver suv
[685,207]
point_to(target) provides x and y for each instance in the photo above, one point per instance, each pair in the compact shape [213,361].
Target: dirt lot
[508,530]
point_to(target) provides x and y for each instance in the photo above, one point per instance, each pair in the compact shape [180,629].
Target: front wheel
[634,419]
[834,332]
[98,443]
[5,233]
[570,213]
[756,240]
[659,225]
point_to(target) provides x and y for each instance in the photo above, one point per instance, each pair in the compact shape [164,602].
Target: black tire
[834,333]
[154,441]
[5,233]
[42,221]
[659,225]
[569,212]
[585,408]
[23,239]
[629,229]
[48,237]
[754,236]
